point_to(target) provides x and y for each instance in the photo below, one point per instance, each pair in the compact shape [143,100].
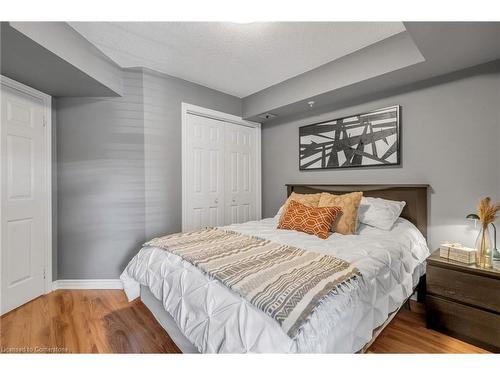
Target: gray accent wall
[100,182]
[119,170]
[450,140]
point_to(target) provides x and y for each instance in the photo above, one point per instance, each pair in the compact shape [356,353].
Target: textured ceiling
[239,59]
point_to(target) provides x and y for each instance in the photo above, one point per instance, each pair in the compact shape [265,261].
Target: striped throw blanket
[284,282]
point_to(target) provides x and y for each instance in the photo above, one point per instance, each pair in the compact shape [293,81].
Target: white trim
[192,109]
[47,103]
[258,172]
[87,284]
[210,113]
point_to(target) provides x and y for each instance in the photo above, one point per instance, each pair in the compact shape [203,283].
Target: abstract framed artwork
[365,140]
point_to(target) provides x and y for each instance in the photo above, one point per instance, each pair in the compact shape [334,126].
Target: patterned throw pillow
[349,204]
[310,200]
[309,220]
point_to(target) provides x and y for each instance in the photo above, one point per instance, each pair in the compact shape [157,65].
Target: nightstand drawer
[465,287]
[478,327]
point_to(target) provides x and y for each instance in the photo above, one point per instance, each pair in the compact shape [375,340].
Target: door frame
[192,109]
[47,172]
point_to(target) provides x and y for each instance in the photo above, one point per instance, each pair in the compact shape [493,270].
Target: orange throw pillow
[309,220]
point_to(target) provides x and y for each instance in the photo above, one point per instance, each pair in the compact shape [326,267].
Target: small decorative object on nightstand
[463,301]
[485,246]
[458,252]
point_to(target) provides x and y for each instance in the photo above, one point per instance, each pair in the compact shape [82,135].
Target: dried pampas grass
[487,211]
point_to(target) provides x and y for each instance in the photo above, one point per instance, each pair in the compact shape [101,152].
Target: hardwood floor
[407,333]
[83,321]
[102,321]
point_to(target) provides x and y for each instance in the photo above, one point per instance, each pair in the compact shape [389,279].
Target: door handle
[234,200]
[216,201]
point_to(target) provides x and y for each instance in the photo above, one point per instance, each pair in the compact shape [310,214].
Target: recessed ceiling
[238,59]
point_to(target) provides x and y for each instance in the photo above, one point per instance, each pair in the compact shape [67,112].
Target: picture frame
[368,139]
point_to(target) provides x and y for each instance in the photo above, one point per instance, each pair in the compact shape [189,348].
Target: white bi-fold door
[25,202]
[240,170]
[221,172]
[205,172]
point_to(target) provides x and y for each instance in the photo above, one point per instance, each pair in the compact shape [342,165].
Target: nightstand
[463,301]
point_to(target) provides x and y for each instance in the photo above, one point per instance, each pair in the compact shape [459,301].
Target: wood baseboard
[87,284]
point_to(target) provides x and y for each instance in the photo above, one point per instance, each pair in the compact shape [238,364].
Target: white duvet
[216,320]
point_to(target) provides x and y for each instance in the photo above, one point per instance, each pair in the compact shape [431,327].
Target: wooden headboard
[415,197]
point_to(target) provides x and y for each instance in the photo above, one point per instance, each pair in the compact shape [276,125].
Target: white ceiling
[238,59]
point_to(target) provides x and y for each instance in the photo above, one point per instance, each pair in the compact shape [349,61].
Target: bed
[202,315]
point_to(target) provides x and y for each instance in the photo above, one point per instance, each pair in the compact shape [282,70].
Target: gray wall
[119,170]
[450,131]
[100,181]
[498,142]
[163,96]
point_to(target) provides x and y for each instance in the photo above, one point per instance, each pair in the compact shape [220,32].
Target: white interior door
[205,172]
[24,228]
[240,181]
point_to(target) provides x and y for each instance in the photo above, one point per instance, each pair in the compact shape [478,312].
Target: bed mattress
[216,320]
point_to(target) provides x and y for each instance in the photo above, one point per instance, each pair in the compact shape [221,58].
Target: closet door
[205,172]
[240,182]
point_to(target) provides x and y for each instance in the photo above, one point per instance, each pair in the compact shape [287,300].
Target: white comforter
[216,320]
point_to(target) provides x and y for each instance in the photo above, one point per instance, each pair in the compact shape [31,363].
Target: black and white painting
[364,140]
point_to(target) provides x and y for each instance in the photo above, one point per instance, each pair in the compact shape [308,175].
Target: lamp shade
[472,217]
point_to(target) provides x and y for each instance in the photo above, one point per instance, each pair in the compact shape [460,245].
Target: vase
[484,248]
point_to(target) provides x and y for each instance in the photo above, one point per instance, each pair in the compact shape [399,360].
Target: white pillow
[379,213]
[280,211]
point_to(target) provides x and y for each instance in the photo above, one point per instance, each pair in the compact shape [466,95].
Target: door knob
[234,200]
[216,201]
